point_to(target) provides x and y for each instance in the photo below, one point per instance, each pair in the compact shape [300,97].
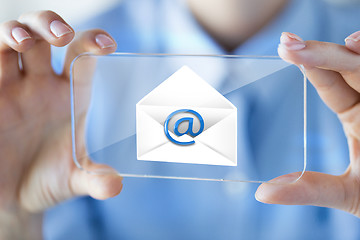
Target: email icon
[185,120]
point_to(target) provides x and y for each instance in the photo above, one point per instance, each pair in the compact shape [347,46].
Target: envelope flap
[211,116]
[185,87]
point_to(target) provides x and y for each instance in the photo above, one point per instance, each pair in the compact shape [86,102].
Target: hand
[36,167]
[334,70]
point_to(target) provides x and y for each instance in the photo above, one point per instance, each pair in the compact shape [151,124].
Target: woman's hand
[334,70]
[36,166]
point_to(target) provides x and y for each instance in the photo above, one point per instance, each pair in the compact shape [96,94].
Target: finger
[324,55]
[352,42]
[95,41]
[333,89]
[14,38]
[328,56]
[331,86]
[48,28]
[105,183]
[313,188]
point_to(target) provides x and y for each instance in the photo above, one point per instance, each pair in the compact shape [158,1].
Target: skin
[334,70]
[231,22]
[36,167]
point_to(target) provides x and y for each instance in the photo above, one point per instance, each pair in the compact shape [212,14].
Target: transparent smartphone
[195,117]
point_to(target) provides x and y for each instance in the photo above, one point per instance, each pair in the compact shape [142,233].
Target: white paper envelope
[217,142]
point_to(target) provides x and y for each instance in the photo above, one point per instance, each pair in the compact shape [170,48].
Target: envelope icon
[206,133]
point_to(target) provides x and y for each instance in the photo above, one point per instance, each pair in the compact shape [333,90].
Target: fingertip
[296,51]
[102,43]
[290,47]
[62,33]
[105,186]
[266,194]
[95,41]
[49,26]
[59,29]
[280,190]
[105,41]
[15,36]
[352,42]
[259,195]
[274,194]
[293,57]
[20,35]
[291,42]
[284,54]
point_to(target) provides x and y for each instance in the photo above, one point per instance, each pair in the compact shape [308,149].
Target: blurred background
[78,11]
[69,9]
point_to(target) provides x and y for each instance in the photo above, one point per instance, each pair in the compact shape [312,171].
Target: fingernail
[104,41]
[19,34]
[291,41]
[353,37]
[59,29]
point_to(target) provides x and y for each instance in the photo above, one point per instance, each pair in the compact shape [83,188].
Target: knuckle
[39,16]
[47,14]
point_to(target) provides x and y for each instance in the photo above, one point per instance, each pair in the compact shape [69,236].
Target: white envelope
[215,145]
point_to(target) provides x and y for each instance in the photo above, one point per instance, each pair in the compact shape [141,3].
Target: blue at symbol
[190,127]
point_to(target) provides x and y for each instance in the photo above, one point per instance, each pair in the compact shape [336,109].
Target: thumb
[312,188]
[98,180]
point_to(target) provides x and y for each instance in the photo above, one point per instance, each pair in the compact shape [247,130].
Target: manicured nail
[291,41]
[353,37]
[59,29]
[19,34]
[104,41]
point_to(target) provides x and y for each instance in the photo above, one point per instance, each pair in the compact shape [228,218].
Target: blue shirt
[171,209]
